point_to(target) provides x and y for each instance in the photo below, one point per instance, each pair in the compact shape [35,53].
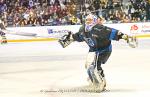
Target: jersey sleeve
[116,35]
[111,33]
[78,36]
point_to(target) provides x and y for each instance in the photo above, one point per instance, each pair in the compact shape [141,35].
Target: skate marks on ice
[87,89]
[81,89]
[74,85]
[110,92]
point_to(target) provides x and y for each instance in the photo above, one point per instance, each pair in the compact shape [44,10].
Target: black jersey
[98,39]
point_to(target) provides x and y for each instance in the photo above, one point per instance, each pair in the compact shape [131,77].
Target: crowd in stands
[68,12]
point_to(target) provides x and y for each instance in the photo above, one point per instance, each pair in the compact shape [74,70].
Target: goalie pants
[93,65]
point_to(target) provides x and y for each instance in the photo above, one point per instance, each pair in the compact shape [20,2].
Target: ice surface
[34,69]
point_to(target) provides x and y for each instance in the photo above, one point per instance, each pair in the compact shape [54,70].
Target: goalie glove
[131,40]
[66,40]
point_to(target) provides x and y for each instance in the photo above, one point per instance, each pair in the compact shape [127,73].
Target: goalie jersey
[98,38]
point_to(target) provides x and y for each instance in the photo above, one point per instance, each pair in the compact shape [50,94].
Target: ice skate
[102,85]
[93,85]
[102,80]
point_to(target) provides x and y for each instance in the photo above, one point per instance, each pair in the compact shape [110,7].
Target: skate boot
[102,80]
[93,82]
[103,84]
[93,85]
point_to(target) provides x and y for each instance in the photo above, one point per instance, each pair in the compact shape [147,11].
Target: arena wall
[49,33]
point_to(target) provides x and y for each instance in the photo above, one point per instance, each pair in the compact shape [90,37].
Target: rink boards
[50,33]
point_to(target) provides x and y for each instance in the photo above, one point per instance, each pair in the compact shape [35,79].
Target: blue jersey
[98,39]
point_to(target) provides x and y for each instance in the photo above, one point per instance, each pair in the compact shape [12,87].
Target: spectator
[60,12]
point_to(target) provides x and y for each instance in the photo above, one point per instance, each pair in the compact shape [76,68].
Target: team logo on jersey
[94,35]
[89,41]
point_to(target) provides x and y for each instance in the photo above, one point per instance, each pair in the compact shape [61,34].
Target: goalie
[98,37]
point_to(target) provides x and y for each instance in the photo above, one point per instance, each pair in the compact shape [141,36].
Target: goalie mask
[90,21]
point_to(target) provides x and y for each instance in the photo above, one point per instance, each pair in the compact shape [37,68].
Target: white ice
[33,69]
